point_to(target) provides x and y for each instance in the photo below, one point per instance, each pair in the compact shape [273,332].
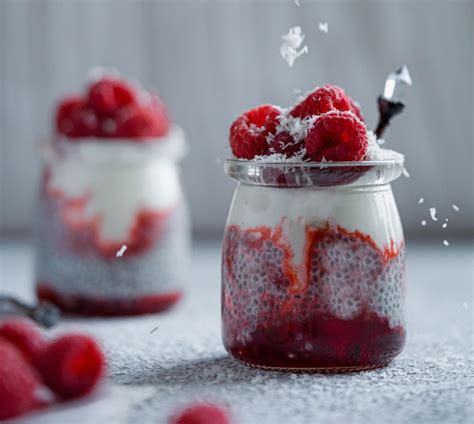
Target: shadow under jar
[313,266]
[112,229]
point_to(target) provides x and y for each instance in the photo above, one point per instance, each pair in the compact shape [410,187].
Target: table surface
[152,373]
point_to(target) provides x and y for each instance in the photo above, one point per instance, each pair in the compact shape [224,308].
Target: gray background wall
[212,59]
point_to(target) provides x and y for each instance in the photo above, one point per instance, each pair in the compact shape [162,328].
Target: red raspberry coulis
[341,308]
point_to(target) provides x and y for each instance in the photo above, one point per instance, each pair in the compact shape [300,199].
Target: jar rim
[316,174]
[94,150]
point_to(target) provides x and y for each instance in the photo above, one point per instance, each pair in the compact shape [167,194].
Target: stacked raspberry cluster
[112,108]
[34,371]
[327,125]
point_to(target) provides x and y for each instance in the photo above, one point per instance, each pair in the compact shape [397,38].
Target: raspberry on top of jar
[311,278]
[112,108]
[325,126]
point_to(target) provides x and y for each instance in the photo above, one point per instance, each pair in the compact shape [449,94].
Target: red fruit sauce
[87,305]
[341,309]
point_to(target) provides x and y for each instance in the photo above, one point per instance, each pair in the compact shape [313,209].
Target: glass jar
[313,266]
[113,228]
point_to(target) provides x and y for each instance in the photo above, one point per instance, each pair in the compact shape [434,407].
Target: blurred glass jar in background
[112,224]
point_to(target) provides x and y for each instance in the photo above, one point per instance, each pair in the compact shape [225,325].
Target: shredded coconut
[406,173]
[421,200]
[444,225]
[446,243]
[280,157]
[423,223]
[456,208]
[290,49]
[375,152]
[109,126]
[323,27]
[433,214]
[297,2]
[297,127]
[120,252]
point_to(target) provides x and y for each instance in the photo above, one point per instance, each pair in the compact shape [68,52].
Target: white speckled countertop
[152,374]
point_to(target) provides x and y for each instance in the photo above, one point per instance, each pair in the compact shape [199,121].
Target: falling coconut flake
[433,214]
[120,252]
[446,243]
[296,91]
[323,27]
[444,225]
[406,173]
[423,223]
[297,2]
[290,49]
[421,200]
[464,305]
[456,208]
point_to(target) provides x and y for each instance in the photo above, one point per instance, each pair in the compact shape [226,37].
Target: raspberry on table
[72,365]
[18,382]
[337,136]
[249,131]
[202,413]
[325,99]
[108,95]
[26,337]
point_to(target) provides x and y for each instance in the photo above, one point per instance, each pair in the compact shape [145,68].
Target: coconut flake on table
[323,27]
[291,48]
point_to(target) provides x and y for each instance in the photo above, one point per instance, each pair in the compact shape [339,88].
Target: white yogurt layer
[120,178]
[370,211]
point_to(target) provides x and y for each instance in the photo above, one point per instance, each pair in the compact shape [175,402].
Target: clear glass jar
[313,266]
[113,230]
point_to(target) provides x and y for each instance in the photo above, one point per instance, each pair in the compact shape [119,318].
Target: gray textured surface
[152,374]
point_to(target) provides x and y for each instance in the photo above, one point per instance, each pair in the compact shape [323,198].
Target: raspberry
[285,144]
[108,95]
[75,120]
[72,365]
[249,131]
[325,99]
[203,413]
[141,121]
[337,136]
[18,382]
[25,336]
